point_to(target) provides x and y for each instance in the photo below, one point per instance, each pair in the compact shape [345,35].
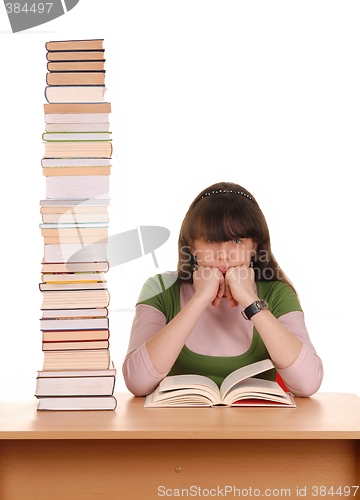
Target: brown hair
[222,212]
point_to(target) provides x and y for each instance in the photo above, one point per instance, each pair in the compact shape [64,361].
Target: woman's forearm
[165,346]
[281,344]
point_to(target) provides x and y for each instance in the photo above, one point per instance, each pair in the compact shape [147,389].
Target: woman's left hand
[239,282]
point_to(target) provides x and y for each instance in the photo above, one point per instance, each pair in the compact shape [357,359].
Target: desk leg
[150,469]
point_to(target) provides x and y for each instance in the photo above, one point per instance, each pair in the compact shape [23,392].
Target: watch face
[262,304]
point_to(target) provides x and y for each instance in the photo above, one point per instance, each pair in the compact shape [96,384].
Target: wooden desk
[137,453]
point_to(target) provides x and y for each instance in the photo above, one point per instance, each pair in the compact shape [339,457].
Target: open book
[240,388]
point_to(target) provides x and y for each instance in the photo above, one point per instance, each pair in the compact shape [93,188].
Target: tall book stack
[77,372]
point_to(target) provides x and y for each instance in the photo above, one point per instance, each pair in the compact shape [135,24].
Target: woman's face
[223,255]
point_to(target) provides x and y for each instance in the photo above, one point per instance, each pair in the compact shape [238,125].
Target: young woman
[228,305]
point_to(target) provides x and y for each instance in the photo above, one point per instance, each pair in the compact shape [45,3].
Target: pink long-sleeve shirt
[220,331]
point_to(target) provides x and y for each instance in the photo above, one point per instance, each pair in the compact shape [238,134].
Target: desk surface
[323,416]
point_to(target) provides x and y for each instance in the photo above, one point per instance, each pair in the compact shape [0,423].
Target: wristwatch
[254,308]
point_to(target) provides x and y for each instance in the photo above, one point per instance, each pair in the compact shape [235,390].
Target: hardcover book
[240,388]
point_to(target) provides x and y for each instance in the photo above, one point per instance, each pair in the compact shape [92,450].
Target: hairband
[226,191]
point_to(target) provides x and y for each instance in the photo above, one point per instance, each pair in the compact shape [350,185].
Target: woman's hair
[223,212]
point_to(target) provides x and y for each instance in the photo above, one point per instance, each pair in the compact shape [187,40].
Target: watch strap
[254,308]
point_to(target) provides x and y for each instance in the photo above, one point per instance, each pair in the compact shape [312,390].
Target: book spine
[78,107]
[74,45]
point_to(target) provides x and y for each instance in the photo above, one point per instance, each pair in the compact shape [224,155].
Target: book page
[262,390]
[244,373]
[199,396]
[258,388]
[187,381]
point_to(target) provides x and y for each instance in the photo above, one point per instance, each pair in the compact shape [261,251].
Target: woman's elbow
[309,386]
[135,384]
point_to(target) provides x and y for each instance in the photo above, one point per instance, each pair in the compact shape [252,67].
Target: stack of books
[77,373]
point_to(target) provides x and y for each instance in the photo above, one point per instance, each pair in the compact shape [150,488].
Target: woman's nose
[221,251]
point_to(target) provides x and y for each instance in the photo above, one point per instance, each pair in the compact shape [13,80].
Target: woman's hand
[239,282]
[209,283]
[228,294]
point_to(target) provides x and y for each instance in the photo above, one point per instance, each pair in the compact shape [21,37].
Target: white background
[265,94]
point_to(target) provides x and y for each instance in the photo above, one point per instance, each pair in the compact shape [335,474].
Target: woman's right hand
[209,284]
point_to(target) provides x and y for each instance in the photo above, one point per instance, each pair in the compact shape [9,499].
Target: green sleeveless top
[162,293]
